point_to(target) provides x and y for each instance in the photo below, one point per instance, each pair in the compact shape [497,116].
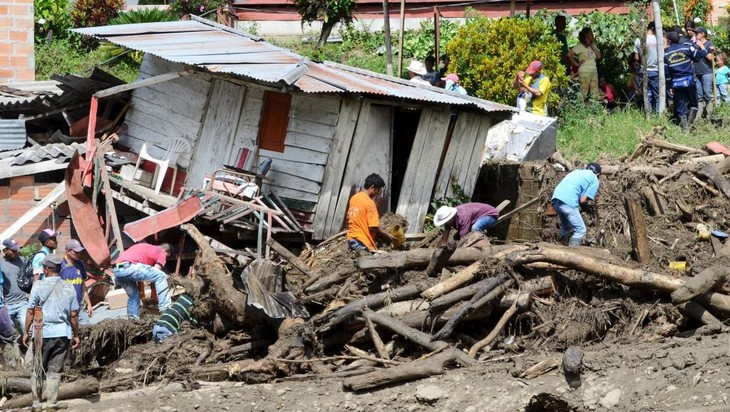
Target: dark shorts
[356,245]
[54,354]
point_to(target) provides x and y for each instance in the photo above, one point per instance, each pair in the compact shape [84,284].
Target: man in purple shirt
[469,217]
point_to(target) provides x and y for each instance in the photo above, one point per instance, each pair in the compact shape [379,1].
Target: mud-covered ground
[675,374]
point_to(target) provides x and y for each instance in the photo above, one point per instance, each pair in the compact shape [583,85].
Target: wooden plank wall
[335,169]
[166,110]
[218,133]
[419,180]
[370,152]
[298,172]
[464,154]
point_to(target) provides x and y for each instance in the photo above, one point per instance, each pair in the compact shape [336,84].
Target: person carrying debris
[469,217]
[143,263]
[573,191]
[363,223]
[53,312]
[172,318]
[73,271]
[678,59]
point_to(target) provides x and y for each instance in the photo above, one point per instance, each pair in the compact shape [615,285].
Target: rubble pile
[656,266]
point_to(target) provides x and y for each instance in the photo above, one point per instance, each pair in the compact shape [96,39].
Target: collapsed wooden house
[238,101]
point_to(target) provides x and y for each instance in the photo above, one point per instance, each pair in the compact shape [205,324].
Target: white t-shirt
[652,64]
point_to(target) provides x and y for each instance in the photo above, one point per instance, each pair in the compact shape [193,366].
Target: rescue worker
[573,191]
[363,221]
[678,59]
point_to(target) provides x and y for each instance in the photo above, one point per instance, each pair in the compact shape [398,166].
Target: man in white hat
[416,70]
[469,217]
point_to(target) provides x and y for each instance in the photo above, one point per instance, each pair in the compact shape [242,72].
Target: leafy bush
[51,16]
[180,8]
[92,13]
[488,53]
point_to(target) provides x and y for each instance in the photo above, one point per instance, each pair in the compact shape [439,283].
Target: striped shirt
[177,313]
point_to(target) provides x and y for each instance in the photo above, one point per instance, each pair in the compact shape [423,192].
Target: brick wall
[17,56]
[18,197]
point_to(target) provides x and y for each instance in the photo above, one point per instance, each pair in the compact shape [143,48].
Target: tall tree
[329,12]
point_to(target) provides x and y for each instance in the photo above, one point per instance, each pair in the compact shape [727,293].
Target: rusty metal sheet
[221,49]
[170,217]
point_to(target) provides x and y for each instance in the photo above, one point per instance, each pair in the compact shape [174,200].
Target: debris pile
[650,272]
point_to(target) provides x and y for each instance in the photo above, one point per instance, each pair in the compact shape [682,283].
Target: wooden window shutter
[274,121]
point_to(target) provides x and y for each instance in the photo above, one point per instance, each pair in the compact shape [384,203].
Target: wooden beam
[58,194]
[517,209]
[141,83]
[107,188]
[639,240]
[131,202]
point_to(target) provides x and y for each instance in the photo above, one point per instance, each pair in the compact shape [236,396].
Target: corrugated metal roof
[12,134]
[59,151]
[221,49]
[22,93]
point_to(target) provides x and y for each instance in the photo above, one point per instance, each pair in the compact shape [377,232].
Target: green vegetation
[92,13]
[488,53]
[589,132]
[52,17]
[62,56]
[180,8]
[329,12]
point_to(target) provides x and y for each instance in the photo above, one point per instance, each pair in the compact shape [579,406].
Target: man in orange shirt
[363,224]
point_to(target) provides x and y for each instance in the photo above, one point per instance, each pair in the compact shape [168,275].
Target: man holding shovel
[53,312]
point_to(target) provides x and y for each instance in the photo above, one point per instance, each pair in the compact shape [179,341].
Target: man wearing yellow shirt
[363,223]
[535,88]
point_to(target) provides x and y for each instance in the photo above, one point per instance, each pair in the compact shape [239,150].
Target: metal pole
[527,9]
[676,13]
[659,32]
[400,36]
[386,29]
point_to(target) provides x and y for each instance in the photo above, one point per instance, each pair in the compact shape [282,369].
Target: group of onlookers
[426,74]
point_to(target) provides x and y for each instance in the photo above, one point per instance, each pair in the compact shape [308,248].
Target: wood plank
[58,194]
[422,164]
[139,83]
[218,132]
[328,104]
[293,194]
[307,141]
[295,154]
[314,116]
[454,155]
[188,104]
[133,203]
[477,155]
[335,169]
[308,171]
[309,128]
[162,118]
[294,182]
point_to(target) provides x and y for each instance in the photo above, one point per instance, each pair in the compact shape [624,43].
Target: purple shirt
[468,213]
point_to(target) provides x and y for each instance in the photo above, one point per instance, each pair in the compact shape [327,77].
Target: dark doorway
[405,125]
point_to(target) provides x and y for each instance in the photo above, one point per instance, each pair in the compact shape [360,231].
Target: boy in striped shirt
[172,318]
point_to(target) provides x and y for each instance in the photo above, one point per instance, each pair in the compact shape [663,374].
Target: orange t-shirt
[362,214]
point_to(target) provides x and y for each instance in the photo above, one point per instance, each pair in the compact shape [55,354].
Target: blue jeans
[17,313]
[722,96]
[483,223]
[703,83]
[129,275]
[356,245]
[570,221]
[652,90]
[160,333]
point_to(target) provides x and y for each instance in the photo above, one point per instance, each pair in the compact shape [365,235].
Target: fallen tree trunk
[224,297]
[460,278]
[421,257]
[72,390]
[15,385]
[439,258]
[703,282]
[711,172]
[418,369]
[289,257]
[573,259]
[373,302]
[497,328]
[417,337]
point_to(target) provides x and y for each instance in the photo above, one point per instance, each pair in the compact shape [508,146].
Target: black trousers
[54,354]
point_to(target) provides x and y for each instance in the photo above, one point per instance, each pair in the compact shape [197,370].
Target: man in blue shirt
[575,189]
[57,301]
[73,271]
[678,59]
[48,244]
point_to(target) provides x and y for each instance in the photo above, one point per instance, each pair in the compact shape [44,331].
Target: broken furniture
[175,147]
[238,183]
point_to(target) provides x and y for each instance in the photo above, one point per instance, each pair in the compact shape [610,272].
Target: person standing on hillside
[560,24]
[576,188]
[678,59]
[363,221]
[534,89]
[652,66]
[704,74]
[584,55]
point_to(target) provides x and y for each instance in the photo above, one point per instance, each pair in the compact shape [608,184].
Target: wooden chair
[174,148]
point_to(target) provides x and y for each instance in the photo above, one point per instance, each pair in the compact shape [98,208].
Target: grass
[64,56]
[335,52]
[588,132]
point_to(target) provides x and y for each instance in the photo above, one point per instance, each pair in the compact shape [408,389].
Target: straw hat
[417,67]
[443,215]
